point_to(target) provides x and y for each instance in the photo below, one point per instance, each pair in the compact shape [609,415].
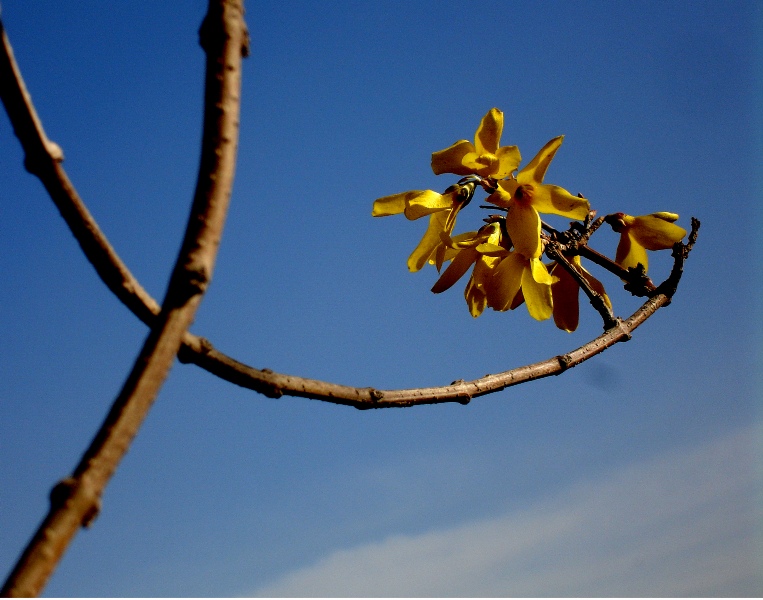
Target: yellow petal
[456,269]
[496,235]
[468,239]
[439,256]
[450,253]
[491,249]
[537,295]
[523,227]
[450,160]
[595,284]
[483,271]
[539,272]
[535,170]
[555,200]
[508,161]
[655,233]
[518,300]
[509,186]
[505,281]
[666,216]
[475,298]
[500,197]
[428,243]
[564,292]
[482,164]
[422,203]
[391,205]
[450,221]
[488,136]
[630,253]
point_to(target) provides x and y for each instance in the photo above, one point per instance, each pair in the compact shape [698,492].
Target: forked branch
[200,351]
[75,501]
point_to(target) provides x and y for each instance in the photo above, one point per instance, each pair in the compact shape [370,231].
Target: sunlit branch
[276,385]
[201,352]
[75,501]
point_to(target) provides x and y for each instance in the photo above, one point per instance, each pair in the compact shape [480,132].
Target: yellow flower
[527,195]
[501,278]
[565,291]
[482,249]
[479,285]
[466,249]
[517,273]
[484,157]
[639,234]
[441,208]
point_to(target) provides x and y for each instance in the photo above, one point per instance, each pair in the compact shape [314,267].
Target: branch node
[375,395]
[36,161]
[194,281]
[565,362]
[65,491]
[189,354]
[55,151]
[620,324]
[639,284]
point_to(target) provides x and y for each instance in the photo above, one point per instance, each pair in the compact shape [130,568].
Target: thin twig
[597,300]
[75,501]
[637,282]
[276,385]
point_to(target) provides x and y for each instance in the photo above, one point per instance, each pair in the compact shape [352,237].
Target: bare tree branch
[201,352]
[75,501]
[275,385]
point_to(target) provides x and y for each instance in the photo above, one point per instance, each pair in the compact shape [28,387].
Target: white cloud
[684,524]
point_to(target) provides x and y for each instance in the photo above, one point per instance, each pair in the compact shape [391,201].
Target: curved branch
[201,352]
[75,501]
[275,385]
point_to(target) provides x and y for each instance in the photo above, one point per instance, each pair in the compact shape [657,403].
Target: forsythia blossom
[485,157]
[657,231]
[527,195]
[505,254]
[442,209]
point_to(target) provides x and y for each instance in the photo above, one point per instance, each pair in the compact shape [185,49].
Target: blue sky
[636,473]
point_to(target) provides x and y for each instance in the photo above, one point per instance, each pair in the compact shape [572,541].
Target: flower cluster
[505,255]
